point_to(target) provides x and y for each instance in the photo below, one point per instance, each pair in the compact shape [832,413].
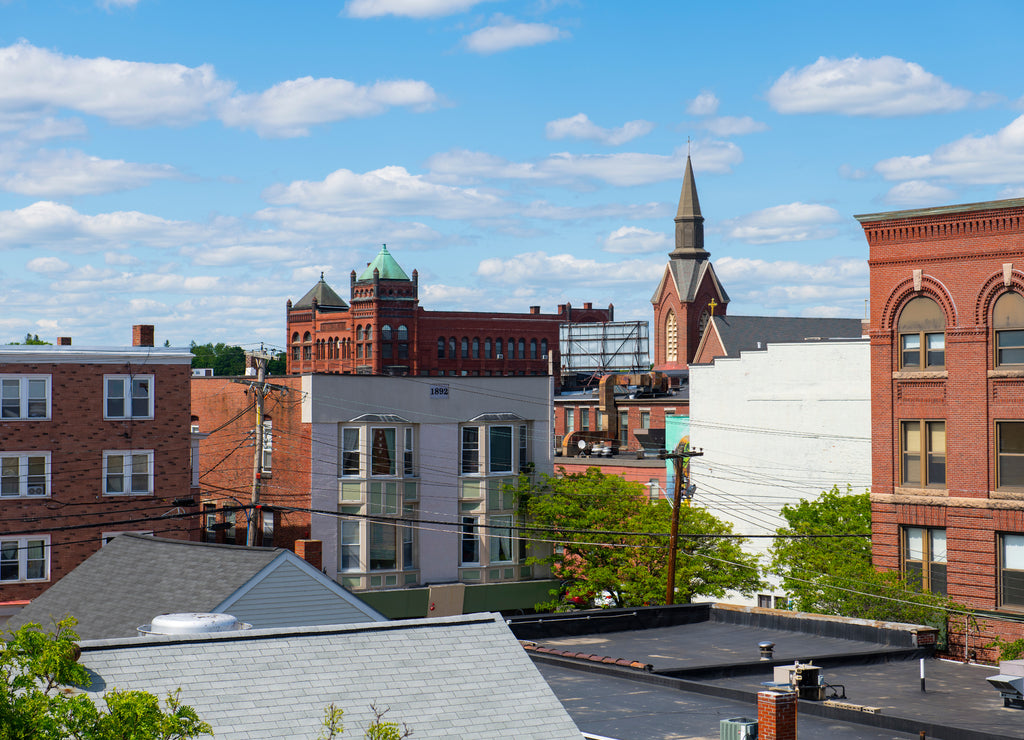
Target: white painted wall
[779,425]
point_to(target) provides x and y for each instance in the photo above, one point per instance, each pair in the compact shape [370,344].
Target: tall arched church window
[671,337]
[922,332]
[1008,329]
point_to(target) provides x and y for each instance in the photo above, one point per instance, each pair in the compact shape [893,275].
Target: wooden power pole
[681,462]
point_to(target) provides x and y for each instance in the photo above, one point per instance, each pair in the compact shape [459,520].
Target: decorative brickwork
[964,258]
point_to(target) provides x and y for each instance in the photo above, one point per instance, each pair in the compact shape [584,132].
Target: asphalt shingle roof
[744,333]
[448,677]
[133,578]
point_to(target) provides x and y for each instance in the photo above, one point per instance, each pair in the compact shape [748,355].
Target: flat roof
[988,205]
[710,669]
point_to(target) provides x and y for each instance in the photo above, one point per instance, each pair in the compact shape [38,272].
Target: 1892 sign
[439,391]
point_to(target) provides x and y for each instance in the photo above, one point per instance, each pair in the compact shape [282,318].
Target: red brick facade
[963,258]
[383,330]
[776,715]
[642,414]
[224,412]
[64,457]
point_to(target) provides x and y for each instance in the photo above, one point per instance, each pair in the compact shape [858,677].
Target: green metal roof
[387,266]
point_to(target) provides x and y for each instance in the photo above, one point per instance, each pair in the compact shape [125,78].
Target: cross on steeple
[712,305]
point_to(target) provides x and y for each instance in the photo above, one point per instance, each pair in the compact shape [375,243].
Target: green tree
[36,669]
[31,339]
[614,543]
[834,575]
[225,359]
[379,729]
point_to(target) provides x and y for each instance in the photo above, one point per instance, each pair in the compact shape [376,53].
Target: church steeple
[689,222]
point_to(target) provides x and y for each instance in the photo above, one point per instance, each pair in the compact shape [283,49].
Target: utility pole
[260,388]
[681,462]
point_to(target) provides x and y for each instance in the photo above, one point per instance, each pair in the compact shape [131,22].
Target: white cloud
[126,93]
[507,33]
[408,8]
[848,172]
[886,86]
[734,126]
[47,265]
[620,169]
[69,172]
[786,223]
[89,279]
[120,258]
[386,192]
[581,127]
[633,240]
[30,127]
[705,104]
[918,193]
[976,160]
[289,108]
[243,254]
[567,269]
[61,226]
[836,287]
[112,4]
[34,82]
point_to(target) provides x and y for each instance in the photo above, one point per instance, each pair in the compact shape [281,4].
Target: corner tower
[689,292]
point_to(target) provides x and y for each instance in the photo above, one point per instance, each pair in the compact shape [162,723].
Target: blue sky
[195,164]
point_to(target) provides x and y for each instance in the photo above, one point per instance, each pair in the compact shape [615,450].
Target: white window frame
[23,396]
[23,544]
[23,482]
[127,473]
[127,387]
[357,450]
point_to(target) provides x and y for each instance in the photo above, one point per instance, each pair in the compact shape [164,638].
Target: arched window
[543,349]
[511,348]
[385,333]
[402,335]
[359,333]
[533,349]
[451,348]
[498,348]
[922,328]
[671,337]
[440,348]
[307,348]
[1008,329]
[522,349]
[296,350]
[476,348]
[465,348]
[487,348]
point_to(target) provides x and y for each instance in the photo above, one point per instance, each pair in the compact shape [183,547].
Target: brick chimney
[312,551]
[142,335]
[535,309]
[63,341]
[776,715]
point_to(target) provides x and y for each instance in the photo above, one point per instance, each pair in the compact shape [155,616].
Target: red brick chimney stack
[142,335]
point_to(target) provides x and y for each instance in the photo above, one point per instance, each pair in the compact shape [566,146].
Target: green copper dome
[387,266]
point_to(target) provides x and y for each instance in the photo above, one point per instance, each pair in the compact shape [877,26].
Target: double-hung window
[128,396]
[1010,454]
[24,397]
[350,451]
[1008,329]
[24,474]
[24,559]
[924,558]
[267,447]
[470,450]
[128,473]
[470,541]
[1011,570]
[923,454]
[499,452]
[921,328]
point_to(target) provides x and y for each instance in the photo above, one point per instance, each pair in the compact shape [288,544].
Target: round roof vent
[192,623]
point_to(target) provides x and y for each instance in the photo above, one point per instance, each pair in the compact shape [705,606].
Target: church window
[671,338]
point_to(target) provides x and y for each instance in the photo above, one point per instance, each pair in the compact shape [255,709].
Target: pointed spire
[689,221]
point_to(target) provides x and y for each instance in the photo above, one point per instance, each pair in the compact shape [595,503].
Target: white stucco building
[777,425]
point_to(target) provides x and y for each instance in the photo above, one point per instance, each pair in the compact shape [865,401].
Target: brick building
[382,330]
[93,441]
[947,393]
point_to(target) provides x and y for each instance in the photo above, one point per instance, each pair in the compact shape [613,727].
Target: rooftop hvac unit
[737,728]
[1011,688]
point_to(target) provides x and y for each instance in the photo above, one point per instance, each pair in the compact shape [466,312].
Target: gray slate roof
[742,333]
[134,577]
[687,275]
[325,295]
[448,677]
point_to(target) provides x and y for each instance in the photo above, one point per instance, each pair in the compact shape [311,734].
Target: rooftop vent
[1010,683]
[192,623]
